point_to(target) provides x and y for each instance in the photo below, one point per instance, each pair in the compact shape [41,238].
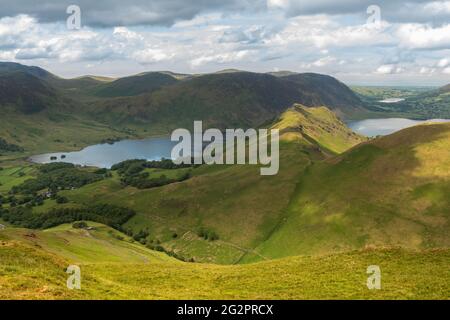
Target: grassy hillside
[317,126]
[252,205]
[36,272]
[389,191]
[102,244]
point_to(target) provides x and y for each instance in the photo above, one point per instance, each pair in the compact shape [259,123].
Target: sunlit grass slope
[390,191]
[101,244]
[318,126]
[32,271]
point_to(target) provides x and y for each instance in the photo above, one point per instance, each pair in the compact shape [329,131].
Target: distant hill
[157,102]
[10,67]
[323,90]
[229,99]
[415,102]
[134,85]
[25,92]
[445,89]
[432,104]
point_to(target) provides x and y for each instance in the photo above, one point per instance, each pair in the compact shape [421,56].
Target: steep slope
[389,191]
[318,126]
[323,90]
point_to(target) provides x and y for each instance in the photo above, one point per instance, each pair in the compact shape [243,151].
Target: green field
[10,177]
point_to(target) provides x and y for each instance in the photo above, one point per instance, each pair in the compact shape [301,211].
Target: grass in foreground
[28,272]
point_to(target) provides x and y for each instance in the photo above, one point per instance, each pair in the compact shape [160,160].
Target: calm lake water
[375,127]
[106,155]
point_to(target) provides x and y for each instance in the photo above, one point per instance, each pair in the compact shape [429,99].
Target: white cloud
[149,55]
[388,69]
[221,58]
[443,63]
[323,61]
[427,70]
[437,7]
[423,36]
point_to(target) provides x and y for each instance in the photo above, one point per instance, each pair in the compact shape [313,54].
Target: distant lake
[375,127]
[106,155]
[392,100]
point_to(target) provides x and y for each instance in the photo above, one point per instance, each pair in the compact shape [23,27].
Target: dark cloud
[422,11]
[108,13]
[124,13]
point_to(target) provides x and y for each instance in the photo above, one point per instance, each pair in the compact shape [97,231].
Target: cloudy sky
[360,42]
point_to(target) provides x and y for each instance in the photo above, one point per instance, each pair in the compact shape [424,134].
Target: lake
[375,127]
[392,100]
[106,155]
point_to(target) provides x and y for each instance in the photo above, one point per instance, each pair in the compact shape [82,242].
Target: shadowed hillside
[229,99]
[134,85]
[26,93]
[323,90]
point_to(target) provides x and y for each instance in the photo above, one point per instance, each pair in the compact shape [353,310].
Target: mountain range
[158,102]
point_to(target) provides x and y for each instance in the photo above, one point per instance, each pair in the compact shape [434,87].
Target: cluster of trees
[137,165]
[207,234]
[142,180]
[79,225]
[9,147]
[111,215]
[57,176]
[29,200]
[131,173]
[141,236]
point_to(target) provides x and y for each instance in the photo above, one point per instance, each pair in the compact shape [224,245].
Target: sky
[374,42]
